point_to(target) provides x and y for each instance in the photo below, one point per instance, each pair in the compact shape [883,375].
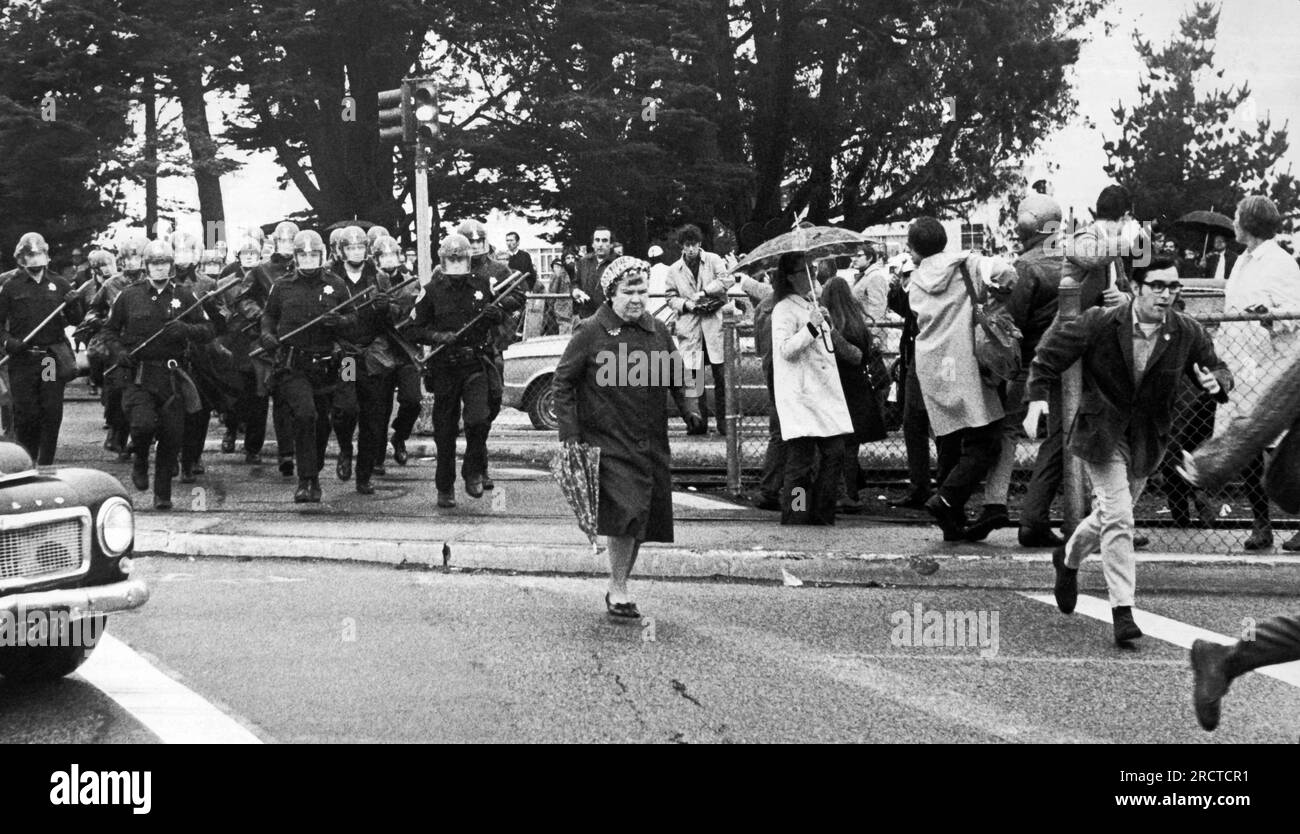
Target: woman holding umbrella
[602,401]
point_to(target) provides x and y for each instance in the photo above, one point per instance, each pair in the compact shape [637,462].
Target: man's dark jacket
[1112,407]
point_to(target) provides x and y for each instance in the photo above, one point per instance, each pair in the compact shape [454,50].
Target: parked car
[66,544]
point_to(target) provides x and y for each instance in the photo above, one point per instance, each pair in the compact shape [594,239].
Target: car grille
[43,549]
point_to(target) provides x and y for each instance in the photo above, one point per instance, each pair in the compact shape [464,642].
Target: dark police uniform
[366,381]
[250,410]
[306,371]
[38,371]
[460,374]
[201,364]
[101,354]
[153,400]
[406,380]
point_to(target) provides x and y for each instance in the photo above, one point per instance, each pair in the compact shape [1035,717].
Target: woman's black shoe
[1126,630]
[622,610]
[993,517]
[950,520]
[1067,582]
[911,502]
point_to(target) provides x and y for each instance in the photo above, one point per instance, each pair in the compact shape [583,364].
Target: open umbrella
[824,240]
[576,468]
[1207,223]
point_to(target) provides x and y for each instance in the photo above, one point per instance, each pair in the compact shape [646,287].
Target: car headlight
[115,526]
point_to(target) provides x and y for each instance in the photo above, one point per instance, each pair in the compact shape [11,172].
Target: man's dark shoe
[992,517]
[1292,544]
[302,495]
[1140,541]
[1066,588]
[914,501]
[199,468]
[949,519]
[379,469]
[1035,536]
[446,500]
[474,486]
[487,483]
[313,487]
[364,486]
[286,467]
[702,430]
[228,442]
[400,455]
[344,469]
[1125,629]
[1209,681]
[187,474]
[253,457]
[140,473]
[111,442]
[162,503]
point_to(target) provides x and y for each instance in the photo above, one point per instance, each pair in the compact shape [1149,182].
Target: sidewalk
[853,552]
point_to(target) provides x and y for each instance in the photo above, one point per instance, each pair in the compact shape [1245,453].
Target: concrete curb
[1157,571]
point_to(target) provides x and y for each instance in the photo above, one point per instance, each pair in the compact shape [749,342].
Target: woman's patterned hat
[617,270]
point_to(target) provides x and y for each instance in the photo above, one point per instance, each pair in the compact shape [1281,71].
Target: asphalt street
[301,652]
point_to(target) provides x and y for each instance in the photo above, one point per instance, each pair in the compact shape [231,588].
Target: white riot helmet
[476,234]
[159,262]
[283,237]
[32,252]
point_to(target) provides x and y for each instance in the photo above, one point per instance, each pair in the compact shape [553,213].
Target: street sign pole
[423,254]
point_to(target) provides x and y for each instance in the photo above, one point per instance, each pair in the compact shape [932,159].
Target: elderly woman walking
[809,398]
[1264,280]
[610,391]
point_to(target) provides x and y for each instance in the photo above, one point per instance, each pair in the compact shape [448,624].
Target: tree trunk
[776,62]
[188,80]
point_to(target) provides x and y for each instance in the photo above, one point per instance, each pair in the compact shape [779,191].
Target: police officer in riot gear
[306,375]
[357,274]
[460,374]
[201,360]
[130,260]
[154,399]
[387,254]
[41,361]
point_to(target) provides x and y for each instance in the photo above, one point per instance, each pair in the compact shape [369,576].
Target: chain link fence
[1173,515]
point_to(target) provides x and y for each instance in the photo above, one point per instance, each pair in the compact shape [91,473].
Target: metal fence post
[731,379]
[1073,492]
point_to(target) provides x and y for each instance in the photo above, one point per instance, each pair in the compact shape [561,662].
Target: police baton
[507,285]
[345,302]
[26,339]
[218,289]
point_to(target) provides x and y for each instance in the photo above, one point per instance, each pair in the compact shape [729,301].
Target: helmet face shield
[354,253]
[309,261]
[283,246]
[389,261]
[36,260]
[159,271]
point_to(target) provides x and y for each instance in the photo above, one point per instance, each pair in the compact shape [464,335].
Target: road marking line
[1171,631]
[699,502]
[174,713]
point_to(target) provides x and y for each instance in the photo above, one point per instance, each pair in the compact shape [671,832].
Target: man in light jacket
[697,290]
[965,411]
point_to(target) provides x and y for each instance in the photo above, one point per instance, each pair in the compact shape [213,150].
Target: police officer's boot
[302,495]
[228,442]
[474,486]
[364,486]
[487,482]
[314,490]
[140,466]
[286,465]
[344,469]
[162,485]
[400,455]
[187,473]
[446,500]
[111,441]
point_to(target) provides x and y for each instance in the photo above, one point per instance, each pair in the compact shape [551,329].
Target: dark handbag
[708,305]
[997,339]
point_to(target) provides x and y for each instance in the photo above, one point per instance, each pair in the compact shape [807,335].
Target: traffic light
[424,109]
[395,124]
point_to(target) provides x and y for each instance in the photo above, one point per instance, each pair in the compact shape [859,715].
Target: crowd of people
[324,338]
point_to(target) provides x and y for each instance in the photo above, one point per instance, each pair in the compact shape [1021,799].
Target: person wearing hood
[1032,305]
[148,331]
[29,295]
[965,411]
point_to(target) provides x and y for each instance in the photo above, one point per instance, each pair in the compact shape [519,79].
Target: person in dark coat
[1247,435]
[854,352]
[603,400]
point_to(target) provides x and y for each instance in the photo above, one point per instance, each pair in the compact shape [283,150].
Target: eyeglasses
[1159,287]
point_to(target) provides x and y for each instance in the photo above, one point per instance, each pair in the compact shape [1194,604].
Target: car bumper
[98,599]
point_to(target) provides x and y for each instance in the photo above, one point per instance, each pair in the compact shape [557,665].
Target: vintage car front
[66,539]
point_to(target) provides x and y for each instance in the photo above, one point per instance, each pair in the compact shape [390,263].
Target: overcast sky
[1257,43]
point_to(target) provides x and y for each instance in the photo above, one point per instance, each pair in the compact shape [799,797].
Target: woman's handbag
[997,339]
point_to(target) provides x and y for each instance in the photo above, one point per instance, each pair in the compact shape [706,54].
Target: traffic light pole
[423,255]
